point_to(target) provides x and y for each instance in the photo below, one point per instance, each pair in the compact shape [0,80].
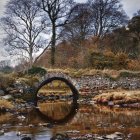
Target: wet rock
[49,125]
[26,138]
[100,138]
[2,93]
[6,125]
[2,109]
[8,89]
[121,127]
[88,136]
[120,138]
[1,132]
[129,135]
[119,134]
[116,106]
[73,131]
[20,124]
[135,105]
[111,136]
[21,117]
[14,91]
[7,97]
[31,125]
[60,137]
[46,125]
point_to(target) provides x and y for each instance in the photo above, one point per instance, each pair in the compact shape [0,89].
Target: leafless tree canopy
[23,23]
[107,15]
[96,17]
[79,25]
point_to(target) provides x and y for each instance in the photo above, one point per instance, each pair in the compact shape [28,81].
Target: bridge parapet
[61,75]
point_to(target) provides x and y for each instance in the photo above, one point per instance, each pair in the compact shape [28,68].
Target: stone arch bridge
[59,75]
[49,77]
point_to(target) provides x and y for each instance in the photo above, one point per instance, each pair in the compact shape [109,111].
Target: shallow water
[59,113]
[88,119]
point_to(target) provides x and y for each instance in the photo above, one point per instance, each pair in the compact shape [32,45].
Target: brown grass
[6,104]
[90,72]
[5,117]
[119,97]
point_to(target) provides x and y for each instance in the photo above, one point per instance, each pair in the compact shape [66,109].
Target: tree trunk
[53,44]
[31,60]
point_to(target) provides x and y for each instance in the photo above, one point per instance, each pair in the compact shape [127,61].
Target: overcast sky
[130,7]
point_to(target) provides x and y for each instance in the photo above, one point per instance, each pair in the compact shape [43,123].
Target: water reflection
[90,119]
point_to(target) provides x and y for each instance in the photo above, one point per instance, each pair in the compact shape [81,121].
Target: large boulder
[7,97]
[2,93]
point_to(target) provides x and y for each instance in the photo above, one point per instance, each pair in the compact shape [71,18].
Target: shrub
[37,71]
[122,60]
[28,80]
[7,69]
[108,60]
[6,80]
[129,74]
[134,65]
[101,61]
[28,97]
[109,54]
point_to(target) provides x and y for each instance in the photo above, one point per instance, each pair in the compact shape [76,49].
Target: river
[59,116]
[88,120]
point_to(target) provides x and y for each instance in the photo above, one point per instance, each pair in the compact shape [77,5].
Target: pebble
[2,132]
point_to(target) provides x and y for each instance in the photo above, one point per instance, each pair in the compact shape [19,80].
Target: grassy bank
[119,97]
[90,72]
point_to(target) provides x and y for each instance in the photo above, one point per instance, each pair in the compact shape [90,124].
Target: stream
[88,120]
[59,117]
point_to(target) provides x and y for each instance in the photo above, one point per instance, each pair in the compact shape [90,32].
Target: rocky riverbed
[21,95]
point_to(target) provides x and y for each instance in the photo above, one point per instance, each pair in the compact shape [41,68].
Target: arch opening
[56,99]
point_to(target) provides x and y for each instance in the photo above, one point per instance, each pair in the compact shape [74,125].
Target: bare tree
[106,15]
[79,26]
[57,11]
[134,31]
[23,24]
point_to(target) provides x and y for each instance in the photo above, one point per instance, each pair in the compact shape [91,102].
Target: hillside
[89,55]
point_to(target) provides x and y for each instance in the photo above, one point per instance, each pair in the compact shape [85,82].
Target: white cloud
[80,1]
[131,6]
[2,4]
[3,54]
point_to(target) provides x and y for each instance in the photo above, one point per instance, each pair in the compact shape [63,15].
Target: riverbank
[114,74]
[120,98]
[124,90]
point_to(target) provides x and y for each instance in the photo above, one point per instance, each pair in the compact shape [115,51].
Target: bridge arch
[67,82]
